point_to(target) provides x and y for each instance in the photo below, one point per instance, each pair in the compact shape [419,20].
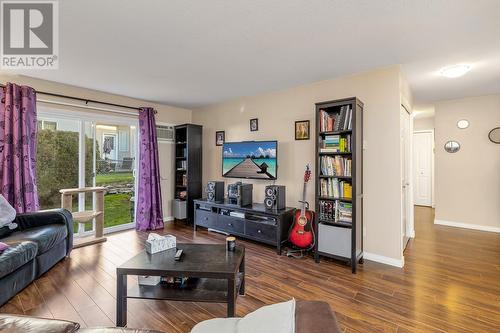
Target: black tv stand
[254,222]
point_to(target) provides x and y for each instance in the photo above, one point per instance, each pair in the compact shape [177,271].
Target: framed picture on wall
[302,129]
[254,124]
[220,137]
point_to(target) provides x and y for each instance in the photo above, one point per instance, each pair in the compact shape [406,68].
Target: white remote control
[178,255]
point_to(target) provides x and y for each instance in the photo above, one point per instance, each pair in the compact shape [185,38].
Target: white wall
[380,91]
[468,182]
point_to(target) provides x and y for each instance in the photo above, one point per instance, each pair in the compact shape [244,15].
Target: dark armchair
[40,241]
[25,324]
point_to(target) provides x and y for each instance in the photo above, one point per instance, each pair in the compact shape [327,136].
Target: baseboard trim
[168,218]
[384,260]
[467,226]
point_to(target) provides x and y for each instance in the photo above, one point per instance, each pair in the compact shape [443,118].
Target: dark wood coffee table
[217,275]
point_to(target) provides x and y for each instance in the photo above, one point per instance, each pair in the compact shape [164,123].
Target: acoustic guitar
[302,234]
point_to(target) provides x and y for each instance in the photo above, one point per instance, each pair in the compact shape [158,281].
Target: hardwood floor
[450,283]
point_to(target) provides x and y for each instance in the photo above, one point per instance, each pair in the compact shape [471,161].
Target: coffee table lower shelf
[197,290]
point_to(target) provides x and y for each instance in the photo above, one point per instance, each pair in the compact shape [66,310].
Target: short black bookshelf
[339,181]
[188,165]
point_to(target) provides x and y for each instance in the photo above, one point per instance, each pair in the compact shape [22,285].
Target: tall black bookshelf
[339,181]
[188,166]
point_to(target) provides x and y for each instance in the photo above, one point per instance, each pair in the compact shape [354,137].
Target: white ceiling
[192,53]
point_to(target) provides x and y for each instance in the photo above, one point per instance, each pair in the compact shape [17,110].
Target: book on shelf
[345,212]
[336,144]
[183,153]
[335,211]
[181,165]
[326,121]
[347,191]
[327,210]
[335,166]
[336,121]
[334,188]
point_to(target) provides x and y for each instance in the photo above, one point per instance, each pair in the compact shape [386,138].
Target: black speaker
[275,197]
[215,191]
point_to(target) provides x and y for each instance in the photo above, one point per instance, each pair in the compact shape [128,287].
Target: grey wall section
[468,182]
[426,123]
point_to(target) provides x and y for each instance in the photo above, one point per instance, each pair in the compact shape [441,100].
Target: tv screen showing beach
[256,159]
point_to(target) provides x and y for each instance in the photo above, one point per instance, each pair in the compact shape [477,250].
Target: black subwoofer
[215,191]
[275,197]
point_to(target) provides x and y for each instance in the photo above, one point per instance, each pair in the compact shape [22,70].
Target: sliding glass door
[115,160]
[83,150]
[57,158]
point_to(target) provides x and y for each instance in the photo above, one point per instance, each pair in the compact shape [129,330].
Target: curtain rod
[86,100]
[88,107]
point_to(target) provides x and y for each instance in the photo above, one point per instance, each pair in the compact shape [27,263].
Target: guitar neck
[303,209]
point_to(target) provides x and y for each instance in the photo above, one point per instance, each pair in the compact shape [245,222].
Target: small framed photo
[254,124]
[220,137]
[302,128]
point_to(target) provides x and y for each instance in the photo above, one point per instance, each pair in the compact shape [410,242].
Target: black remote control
[178,255]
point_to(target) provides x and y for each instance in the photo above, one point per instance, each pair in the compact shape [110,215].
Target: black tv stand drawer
[205,218]
[230,224]
[254,222]
[261,231]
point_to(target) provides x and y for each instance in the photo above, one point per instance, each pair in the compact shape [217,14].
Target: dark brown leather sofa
[39,242]
[25,324]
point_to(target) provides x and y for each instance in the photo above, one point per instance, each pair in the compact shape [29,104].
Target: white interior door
[405,179]
[422,159]
[166,157]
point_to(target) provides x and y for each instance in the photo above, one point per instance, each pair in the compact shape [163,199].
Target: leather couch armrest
[314,317]
[46,217]
[25,324]
[115,330]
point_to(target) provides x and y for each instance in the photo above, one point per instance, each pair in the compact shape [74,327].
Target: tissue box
[145,280]
[156,243]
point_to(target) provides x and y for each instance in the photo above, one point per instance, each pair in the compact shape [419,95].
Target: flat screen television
[250,159]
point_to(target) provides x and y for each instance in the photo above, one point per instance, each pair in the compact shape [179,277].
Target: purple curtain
[149,210]
[18,130]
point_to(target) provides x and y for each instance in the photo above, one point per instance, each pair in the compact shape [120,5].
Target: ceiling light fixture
[455,71]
